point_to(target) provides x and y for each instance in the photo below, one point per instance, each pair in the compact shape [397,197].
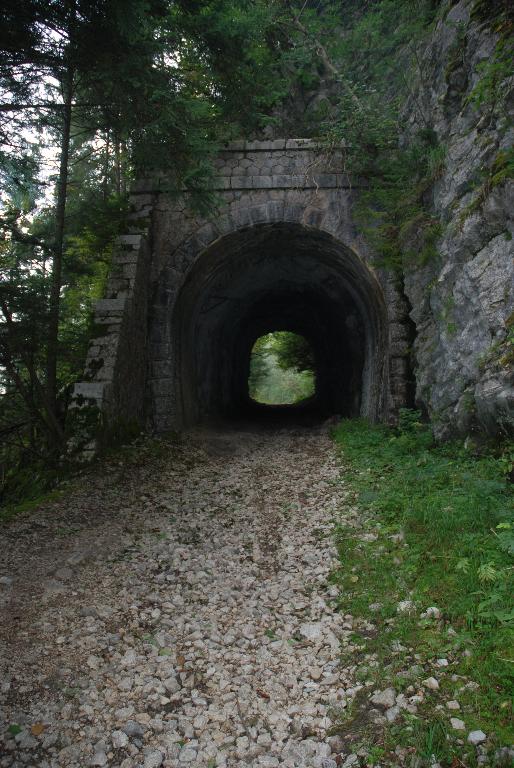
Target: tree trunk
[105,183]
[123,168]
[56,276]
[117,152]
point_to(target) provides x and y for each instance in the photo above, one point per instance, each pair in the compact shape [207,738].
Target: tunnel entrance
[261,278]
[282,370]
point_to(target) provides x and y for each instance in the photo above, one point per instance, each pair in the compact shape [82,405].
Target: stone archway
[188,294]
[268,276]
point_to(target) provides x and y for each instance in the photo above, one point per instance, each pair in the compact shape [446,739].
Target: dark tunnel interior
[269,277]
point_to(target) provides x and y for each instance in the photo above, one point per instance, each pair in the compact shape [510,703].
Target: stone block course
[92,390]
[108,306]
[125,257]
[131,241]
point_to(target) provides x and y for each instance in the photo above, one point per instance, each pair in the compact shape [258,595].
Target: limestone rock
[384,699]
[154,759]
[476,737]
[405,606]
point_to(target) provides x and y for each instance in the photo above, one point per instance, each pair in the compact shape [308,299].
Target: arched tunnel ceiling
[277,277]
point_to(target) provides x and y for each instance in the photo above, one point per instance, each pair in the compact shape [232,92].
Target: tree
[91,94]
[292,351]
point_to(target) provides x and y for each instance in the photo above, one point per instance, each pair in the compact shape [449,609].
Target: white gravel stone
[99,759]
[431,683]
[384,699]
[311,631]
[133,729]
[476,737]
[405,606]
[268,761]
[392,714]
[153,759]
[457,725]
[119,739]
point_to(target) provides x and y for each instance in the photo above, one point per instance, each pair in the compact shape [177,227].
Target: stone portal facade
[282,226]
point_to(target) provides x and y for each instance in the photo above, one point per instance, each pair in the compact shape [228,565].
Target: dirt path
[174,610]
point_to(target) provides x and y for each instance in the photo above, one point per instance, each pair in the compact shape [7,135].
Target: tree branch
[22,237]
[50,421]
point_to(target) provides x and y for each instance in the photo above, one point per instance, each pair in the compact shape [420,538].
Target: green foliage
[502,167]
[431,739]
[493,87]
[392,212]
[500,170]
[492,12]
[149,85]
[281,369]
[442,526]
[258,366]
[376,54]
[494,83]
[377,58]
[291,351]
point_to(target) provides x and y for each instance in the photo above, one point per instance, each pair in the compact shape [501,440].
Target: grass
[438,531]
[38,498]
[282,387]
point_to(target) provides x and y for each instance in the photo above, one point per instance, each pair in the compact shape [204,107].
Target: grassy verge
[437,531]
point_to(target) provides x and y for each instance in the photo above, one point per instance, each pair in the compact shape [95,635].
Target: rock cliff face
[463,302]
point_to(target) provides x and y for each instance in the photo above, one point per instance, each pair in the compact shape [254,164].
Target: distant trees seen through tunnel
[282,369]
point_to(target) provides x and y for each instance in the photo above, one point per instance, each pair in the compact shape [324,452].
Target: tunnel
[268,277]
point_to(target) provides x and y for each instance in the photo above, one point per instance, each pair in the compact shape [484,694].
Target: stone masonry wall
[131,370]
[260,183]
[113,389]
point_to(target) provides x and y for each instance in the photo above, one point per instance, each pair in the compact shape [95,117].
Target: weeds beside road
[437,533]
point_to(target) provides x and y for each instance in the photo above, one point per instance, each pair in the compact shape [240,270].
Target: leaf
[37,729]
[504,617]
[14,729]
[487,573]
[506,542]
[165,652]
